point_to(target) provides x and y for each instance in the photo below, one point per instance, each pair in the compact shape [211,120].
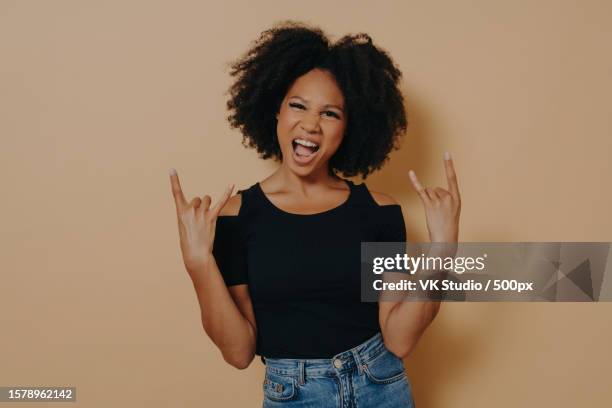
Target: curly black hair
[366,75]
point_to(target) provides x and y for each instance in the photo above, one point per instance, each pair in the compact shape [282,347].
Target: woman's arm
[227,315]
[403,322]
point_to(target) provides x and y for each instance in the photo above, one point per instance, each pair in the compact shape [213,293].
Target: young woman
[276,268]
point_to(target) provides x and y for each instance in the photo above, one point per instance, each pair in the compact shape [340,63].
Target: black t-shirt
[303,271]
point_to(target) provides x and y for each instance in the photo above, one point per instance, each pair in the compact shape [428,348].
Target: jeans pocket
[384,368]
[279,387]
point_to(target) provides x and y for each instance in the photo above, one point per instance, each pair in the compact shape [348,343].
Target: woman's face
[311,122]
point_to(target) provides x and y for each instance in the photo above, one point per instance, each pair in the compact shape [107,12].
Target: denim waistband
[325,367]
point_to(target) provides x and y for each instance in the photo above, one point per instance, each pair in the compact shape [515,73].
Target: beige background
[99,99]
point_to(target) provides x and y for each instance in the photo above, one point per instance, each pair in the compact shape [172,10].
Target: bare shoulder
[232,207]
[382,198]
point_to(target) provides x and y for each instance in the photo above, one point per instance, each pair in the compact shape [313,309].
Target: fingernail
[172,172]
[446,156]
[411,173]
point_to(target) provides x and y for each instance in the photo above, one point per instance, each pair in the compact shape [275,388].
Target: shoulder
[243,201]
[384,215]
[232,207]
[381,199]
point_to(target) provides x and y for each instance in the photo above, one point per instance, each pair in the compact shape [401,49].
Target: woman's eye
[296,105]
[332,114]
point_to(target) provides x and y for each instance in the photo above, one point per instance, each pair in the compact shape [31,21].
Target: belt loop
[302,369]
[357,358]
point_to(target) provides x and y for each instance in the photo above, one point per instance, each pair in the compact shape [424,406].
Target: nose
[310,123]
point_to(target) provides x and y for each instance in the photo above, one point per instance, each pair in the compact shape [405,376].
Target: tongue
[303,150]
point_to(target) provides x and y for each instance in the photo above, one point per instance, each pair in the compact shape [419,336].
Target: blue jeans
[365,376]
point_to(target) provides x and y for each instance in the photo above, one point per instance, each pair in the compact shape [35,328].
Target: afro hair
[366,75]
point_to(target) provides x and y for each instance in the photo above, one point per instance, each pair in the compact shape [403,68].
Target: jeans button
[337,363]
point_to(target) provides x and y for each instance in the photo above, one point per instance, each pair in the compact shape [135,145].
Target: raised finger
[177,191]
[222,201]
[418,187]
[451,176]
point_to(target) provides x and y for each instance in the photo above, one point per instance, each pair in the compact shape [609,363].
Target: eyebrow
[325,106]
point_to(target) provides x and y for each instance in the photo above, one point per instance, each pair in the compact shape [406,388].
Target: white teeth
[306,143]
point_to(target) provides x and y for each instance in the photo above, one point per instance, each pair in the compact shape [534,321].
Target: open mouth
[304,148]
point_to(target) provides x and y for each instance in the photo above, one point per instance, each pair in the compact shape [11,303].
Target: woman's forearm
[407,319]
[405,325]
[222,320]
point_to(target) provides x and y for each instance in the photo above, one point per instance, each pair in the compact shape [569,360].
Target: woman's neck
[283,179]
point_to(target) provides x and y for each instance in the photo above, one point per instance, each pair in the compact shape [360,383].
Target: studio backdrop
[98,100]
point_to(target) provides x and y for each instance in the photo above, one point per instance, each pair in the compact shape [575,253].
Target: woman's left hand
[442,207]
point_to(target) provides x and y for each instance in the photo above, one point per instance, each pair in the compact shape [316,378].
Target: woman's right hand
[196,223]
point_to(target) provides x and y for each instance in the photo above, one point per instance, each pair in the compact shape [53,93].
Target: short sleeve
[391,224]
[229,250]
